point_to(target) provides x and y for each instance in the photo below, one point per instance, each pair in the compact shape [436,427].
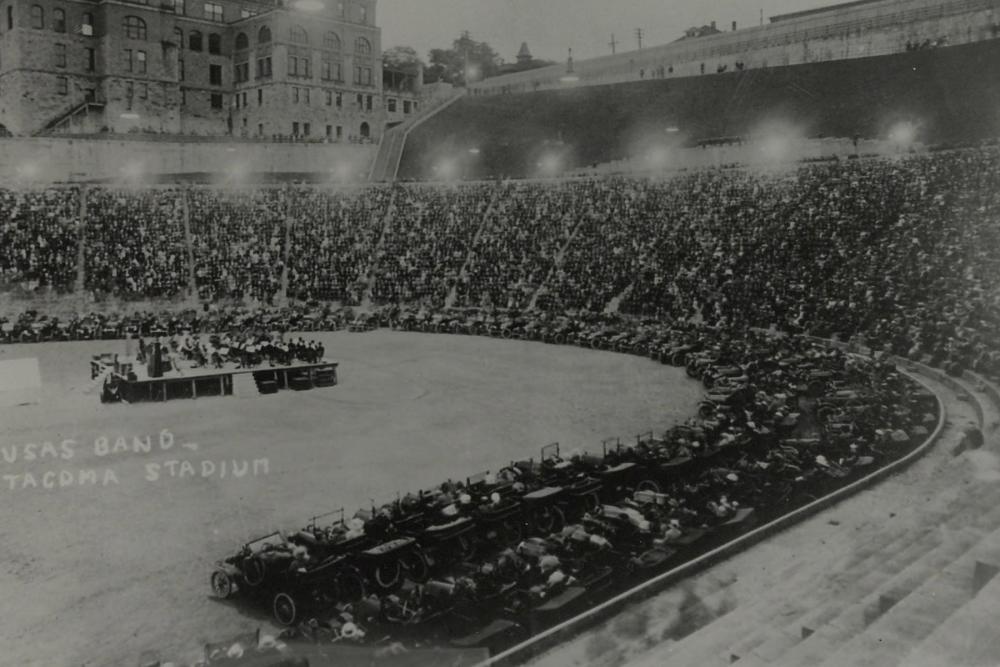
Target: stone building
[309,69]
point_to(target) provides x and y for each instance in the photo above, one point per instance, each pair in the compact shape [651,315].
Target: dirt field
[94,574]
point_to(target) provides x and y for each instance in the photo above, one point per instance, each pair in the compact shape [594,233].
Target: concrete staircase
[390,151]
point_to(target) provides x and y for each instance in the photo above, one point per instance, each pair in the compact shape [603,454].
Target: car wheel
[222,584]
[284,609]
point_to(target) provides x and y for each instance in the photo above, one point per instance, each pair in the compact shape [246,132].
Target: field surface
[93,574]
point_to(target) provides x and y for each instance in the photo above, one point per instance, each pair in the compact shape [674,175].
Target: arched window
[365,130]
[37,17]
[134,27]
[298,35]
[242,42]
[264,36]
[179,38]
[331,41]
[214,44]
[362,46]
[194,40]
[58,20]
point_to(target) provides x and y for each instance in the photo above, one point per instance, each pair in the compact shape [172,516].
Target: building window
[140,62]
[60,55]
[365,131]
[179,38]
[329,99]
[295,95]
[368,103]
[134,27]
[260,129]
[332,71]
[244,99]
[362,47]
[357,76]
[143,90]
[260,68]
[179,7]
[128,59]
[10,17]
[241,73]
[37,17]
[340,100]
[406,106]
[305,97]
[363,14]
[329,131]
[62,85]
[298,35]
[361,100]
[216,100]
[129,94]
[87,25]
[340,132]
[264,35]
[305,129]
[194,40]
[236,101]
[242,42]
[59,20]
[367,75]
[213,12]
[260,96]
[391,104]
[91,59]
[215,75]
[184,97]
[331,41]
[180,70]
[295,129]
[214,44]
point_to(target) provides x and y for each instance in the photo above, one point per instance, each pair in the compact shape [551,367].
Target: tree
[466,58]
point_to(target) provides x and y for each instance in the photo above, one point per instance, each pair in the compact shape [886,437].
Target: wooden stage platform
[132,383]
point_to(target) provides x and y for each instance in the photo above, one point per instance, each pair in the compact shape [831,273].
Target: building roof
[821,10]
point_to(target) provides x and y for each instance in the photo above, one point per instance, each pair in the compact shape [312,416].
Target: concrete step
[969,636]
[954,545]
[790,598]
[892,637]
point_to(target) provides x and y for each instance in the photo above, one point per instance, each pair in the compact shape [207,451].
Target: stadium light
[903,134]
[550,164]
[132,171]
[447,169]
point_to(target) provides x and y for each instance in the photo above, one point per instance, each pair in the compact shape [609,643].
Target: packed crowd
[39,239]
[238,239]
[341,231]
[135,244]
[901,253]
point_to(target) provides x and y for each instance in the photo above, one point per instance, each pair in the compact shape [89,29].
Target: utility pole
[638,36]
[613,44]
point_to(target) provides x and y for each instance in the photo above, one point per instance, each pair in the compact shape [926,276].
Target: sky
[551,27]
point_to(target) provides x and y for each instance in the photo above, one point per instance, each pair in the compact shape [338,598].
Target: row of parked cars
[497,557]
